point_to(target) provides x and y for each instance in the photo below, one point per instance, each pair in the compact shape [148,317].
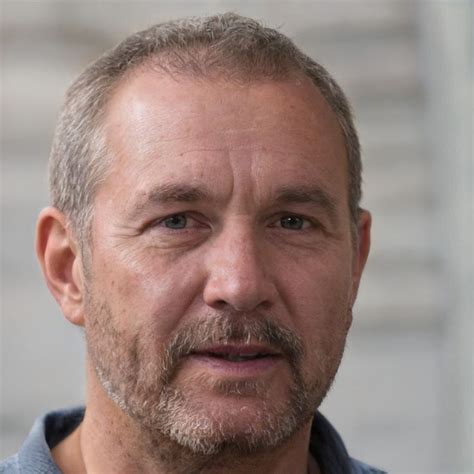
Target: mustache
[229,328]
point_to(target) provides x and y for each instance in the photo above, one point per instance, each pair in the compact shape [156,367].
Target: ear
[61,263]
[361,251]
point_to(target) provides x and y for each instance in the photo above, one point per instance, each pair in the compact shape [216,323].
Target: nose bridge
[241,248]
[236,269]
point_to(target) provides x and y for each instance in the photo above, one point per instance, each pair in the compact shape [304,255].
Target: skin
[236,258]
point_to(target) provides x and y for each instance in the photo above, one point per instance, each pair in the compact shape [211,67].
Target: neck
[108,440]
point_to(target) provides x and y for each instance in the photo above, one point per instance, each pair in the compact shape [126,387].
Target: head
[206,231]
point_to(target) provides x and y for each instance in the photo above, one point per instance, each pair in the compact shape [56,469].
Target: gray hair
[228,45]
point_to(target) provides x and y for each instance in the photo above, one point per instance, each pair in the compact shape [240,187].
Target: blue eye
[292,222]
[178,221]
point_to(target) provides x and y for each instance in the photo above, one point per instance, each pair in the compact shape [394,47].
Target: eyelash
[310,223]
[161,222]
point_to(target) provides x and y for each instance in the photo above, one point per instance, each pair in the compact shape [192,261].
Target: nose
[237,271]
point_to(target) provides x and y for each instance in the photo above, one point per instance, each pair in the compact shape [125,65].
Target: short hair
[227,44]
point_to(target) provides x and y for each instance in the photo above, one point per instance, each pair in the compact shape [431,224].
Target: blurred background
[403,399]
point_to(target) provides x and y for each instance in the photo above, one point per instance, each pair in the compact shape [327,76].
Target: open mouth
[236,361]
[237,357]
[236,353]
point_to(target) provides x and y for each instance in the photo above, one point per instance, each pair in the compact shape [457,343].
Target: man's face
[223,272]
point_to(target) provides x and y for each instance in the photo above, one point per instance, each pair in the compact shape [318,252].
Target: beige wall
[402,399]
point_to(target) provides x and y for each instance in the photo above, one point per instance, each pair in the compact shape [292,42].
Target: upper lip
[238,349]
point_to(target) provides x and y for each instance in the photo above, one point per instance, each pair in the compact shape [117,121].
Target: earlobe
[60,262]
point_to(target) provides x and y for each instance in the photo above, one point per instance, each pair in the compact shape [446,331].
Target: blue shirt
[34,456]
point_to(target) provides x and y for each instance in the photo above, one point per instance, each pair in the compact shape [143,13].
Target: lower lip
[245,368]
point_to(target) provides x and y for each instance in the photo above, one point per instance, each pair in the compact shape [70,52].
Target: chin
[242,420]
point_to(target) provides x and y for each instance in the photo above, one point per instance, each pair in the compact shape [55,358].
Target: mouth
[238,357]
[243,359]
[237,352]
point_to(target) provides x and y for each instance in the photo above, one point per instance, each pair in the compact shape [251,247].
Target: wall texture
[403,397]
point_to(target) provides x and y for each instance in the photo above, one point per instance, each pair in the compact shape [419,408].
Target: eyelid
[276,218]
[306,222]
[201,220]
[190,217]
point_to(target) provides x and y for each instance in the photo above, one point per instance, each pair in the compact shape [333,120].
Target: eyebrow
[172,192]
[182,192]
[169,193]
[310,194]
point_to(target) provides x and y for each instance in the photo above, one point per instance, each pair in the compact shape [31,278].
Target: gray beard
[174,423]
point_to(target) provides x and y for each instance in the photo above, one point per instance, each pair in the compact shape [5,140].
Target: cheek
[318,298]
[324,318]
[146,290]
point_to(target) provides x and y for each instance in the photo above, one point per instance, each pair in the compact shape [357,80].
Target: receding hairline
[157,63]
[218,77]
[297,78]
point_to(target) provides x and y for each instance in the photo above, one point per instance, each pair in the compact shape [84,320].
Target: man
[205,231]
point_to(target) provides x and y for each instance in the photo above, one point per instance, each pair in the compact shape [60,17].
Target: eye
[293,222]
[177,221]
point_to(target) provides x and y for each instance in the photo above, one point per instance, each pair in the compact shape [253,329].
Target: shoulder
[48,430]
[10,465]
[359,467]
[330,452]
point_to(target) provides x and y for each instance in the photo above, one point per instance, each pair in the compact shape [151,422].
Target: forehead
[146,97]
[166,128]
